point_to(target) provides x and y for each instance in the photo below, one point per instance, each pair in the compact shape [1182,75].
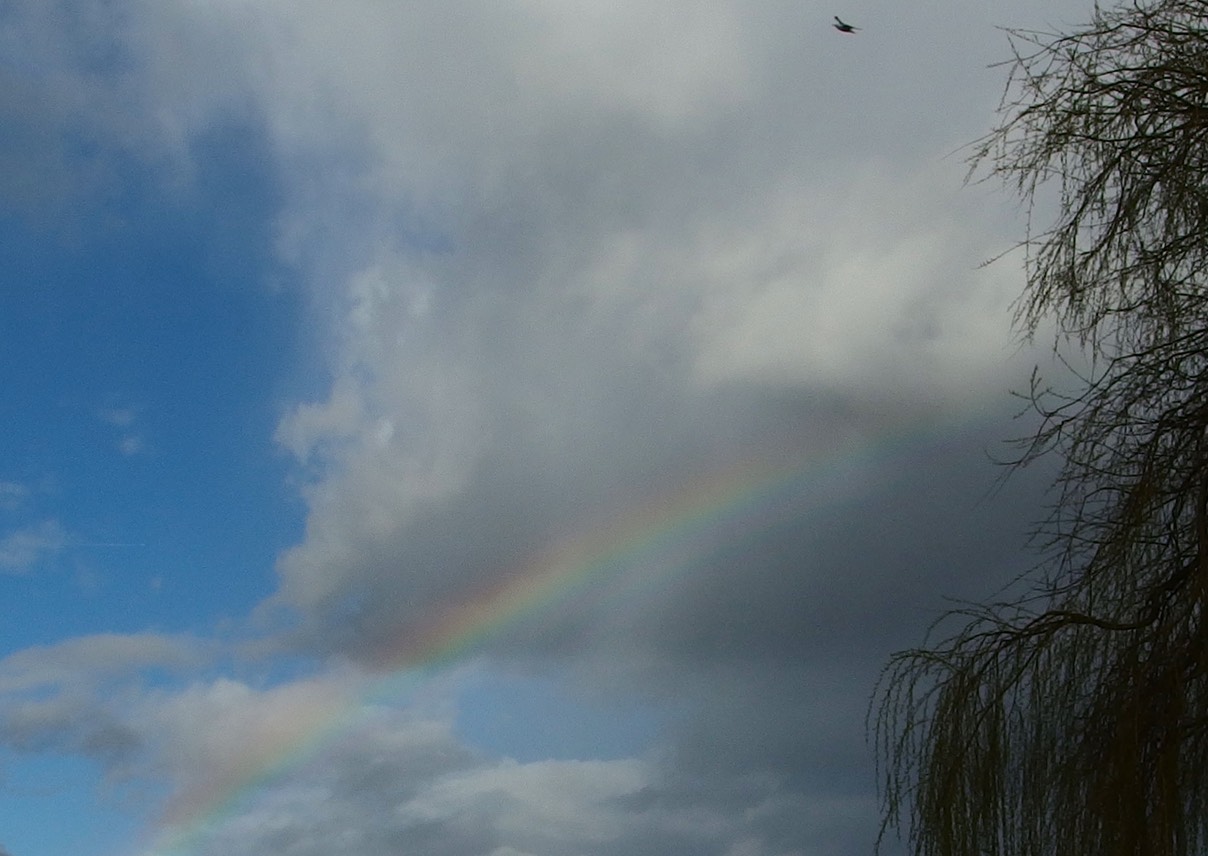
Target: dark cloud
[766,639]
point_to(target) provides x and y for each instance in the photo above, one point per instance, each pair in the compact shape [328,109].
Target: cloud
[119,417]
[404,782]
[566,382]
[69,726]
[352,769]
[855,291]
[130,442]
[22,549]
[516,798]
[60,85]
[74,697]
[354,772]
[12,495]
[85,660]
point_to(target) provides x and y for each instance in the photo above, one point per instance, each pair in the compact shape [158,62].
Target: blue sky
[369,369]
[147,359]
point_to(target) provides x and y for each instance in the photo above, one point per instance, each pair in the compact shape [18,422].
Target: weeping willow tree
[1074,719]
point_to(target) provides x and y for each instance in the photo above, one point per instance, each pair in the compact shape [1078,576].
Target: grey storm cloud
[612,293]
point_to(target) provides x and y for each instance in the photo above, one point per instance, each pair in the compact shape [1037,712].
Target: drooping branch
[1074,719]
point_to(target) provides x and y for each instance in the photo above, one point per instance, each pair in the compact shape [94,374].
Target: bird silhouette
[842,27]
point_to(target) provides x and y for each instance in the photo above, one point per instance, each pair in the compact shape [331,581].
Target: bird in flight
[842,27]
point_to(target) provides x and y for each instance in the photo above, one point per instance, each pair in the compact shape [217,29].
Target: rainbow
[647,545]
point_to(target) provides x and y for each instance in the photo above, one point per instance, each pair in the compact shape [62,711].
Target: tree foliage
[1074,719]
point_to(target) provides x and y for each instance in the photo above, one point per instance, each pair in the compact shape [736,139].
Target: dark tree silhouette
[1074,718]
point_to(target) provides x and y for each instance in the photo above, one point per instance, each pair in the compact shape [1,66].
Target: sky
[510,428]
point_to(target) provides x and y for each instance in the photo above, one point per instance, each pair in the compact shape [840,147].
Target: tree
[1074,718]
